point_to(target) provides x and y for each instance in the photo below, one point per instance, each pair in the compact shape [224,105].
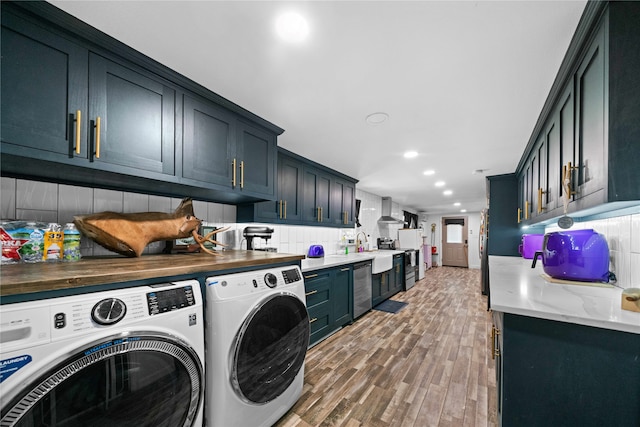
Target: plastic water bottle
[33,250]
[72,239]
[53,242]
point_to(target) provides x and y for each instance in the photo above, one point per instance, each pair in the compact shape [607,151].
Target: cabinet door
[44,84]
[550,191]
[522,191]
[137,117]
[208,136]
[290,188]
[256,156]
[343,202]
[376,289]
[535,179]
[398,271]
[590,118]
[342,296]
[567,139]
[317,196]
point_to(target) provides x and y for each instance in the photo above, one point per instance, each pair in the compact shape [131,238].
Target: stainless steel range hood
[388,212]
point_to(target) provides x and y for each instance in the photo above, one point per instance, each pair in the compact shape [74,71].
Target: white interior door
[455,241]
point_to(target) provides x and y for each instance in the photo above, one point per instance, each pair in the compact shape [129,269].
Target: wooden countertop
[41,277]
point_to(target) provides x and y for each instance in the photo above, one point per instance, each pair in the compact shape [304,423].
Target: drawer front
[319,320]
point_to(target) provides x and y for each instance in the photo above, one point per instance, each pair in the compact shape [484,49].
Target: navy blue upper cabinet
[208,142]
[307,194]
[80,107]
[44,86]
[136,111]
[588,131]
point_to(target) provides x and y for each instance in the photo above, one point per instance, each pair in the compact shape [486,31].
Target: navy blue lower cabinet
[553,373]
[329,298]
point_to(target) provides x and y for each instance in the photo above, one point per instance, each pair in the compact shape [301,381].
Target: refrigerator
[411,238]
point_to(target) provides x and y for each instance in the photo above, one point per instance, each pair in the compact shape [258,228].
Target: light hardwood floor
[428,365]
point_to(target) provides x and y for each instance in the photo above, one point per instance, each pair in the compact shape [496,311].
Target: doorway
[455,241]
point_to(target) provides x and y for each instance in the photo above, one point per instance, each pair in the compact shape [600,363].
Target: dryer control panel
[170,299]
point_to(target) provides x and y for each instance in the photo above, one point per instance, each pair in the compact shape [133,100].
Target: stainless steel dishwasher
[361,288]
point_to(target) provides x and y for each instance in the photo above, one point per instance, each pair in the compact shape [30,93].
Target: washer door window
[270,348]
[132,381]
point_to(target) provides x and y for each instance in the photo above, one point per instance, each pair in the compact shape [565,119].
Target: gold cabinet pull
[78,127]
[519,215]
[310,276]
[280,209]
[313,320]
[98,137]
[318,214]
[321,216]
[315,291]
[285,209]
[233,173]
[345,269]
[540,193]
[241,173]
[526,209]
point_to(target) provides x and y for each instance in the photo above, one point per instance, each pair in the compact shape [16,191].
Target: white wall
[473,227]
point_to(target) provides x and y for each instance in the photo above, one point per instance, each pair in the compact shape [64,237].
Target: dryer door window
[270,348]
[130,381]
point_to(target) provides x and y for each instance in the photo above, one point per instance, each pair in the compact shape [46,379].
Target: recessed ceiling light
[479,171]
[429,172]
[439,184]
[463,210]
[410,154]
[377,118]
[292,27]
[447,192]
[456,204]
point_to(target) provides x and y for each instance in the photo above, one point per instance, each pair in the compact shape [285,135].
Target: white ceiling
[463,83]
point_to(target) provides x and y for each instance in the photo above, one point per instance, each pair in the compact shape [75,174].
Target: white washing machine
[127,357]
[257,334]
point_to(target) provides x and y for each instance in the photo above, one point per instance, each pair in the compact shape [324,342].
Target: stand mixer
[250,233]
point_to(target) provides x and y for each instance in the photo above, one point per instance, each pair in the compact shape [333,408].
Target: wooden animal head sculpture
[128,234]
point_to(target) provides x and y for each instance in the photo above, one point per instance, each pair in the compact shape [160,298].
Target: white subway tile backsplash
[107,200]
[8,198]
[634,276]
[73,201]
[32,195]
[635,233]
[135,202]
[160,204]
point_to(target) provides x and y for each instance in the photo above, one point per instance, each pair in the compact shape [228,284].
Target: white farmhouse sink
[382,262]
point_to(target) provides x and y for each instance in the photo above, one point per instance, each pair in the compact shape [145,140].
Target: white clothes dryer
[126,357]
[256,335]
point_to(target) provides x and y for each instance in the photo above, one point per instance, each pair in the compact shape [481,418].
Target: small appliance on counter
[386,243]
[530,244]
[250,233]
[315,251]
[580,255]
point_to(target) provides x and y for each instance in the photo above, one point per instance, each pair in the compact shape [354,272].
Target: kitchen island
[32,281]
[565,354]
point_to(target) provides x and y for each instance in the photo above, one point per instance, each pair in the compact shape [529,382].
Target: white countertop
[517,288]
[310,264]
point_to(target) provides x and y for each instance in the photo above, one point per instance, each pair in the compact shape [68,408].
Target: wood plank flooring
[427,365]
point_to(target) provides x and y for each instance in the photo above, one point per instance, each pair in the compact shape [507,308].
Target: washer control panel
[235,285]
[170,299]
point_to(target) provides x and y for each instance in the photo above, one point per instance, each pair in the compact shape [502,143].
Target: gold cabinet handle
[321,216]
[241,173]
[233,173]
[280,209]
[313,320]
[540,193]
[318,214]
[97,137]
[78,127]
[526,209]
[310,276]
[285,209]
[519,215]
[315,291]
[345,269]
